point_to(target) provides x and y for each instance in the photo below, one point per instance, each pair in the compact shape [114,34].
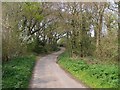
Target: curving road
[48,74]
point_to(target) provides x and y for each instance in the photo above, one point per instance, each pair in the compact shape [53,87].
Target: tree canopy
[87,29]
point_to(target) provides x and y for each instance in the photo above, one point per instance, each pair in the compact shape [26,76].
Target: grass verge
[17,72]
[94,76]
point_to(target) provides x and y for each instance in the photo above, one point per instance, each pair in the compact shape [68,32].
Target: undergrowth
[17,72]
[94,76]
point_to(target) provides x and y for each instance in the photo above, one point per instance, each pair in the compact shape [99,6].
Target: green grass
[17,72]
[94,76]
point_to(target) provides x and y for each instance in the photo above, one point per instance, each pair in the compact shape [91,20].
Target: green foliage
[40,47]
[95,76]
[88,47]
[31,10]
[62,42]
[17,72]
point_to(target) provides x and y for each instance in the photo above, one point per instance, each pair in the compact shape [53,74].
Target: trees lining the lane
[86,27]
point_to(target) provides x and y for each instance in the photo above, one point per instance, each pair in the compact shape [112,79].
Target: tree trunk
[98,36]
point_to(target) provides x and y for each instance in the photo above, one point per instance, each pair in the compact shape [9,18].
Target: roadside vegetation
[92,75]
[17,72]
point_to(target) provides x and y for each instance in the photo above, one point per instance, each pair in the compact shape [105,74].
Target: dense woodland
[40,26]
[86,30]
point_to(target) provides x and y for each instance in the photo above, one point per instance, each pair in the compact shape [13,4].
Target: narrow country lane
[48,74]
